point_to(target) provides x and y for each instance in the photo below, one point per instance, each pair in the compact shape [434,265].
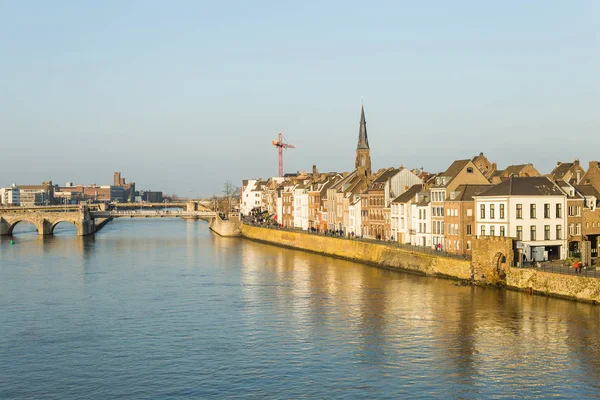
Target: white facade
[538,223]
[251,197]
[301,208]
[279,210]
[10,196]
[423,225]
[354,217]
[402,221]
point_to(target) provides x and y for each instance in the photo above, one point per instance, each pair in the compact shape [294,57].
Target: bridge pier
[4,227]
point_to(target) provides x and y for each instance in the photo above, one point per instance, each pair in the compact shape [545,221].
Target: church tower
[363,152]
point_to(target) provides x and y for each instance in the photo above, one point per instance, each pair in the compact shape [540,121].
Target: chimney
[315,173]
[594,164]
[494,166]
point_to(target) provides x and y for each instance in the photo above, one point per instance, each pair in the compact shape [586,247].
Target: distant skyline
[182,96]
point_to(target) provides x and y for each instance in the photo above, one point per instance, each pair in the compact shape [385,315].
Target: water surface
[163,309]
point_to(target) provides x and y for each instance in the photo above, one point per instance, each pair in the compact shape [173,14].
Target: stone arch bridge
[86,222]
[45,222]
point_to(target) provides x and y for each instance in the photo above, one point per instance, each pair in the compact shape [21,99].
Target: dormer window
[469,170]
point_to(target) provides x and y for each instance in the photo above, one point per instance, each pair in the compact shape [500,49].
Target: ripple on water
[163,309]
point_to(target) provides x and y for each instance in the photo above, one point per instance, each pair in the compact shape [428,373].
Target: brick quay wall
[487,261]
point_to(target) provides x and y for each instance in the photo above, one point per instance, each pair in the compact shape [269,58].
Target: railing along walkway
[588,271]
[409,247]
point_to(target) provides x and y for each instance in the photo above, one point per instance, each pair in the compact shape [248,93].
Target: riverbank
[380,255]
[487,264]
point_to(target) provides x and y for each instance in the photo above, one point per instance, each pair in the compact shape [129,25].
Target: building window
[469,170]
[532,233]
[546,232]
[546,210]
[519,211]
[558,232]
[483,230]
[502,232]
[578,211]
[469,212]
[571,229]
[558,210]
[501,211]
[519,233]
[469,229]
[492,214]
[483,211]
[492,231]
[532,211]
[577,229]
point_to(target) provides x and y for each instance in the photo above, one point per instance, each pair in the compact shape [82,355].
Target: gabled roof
[524,186]
[466,192]
[384,177]
[514,169]
[453,170]
[409,194]
[561,170]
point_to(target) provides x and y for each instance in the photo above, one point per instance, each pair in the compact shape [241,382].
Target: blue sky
[180,96]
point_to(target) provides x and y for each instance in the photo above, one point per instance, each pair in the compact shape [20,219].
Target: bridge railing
[117,213]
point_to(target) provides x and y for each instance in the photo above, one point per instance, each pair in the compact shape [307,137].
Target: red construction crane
[280,146]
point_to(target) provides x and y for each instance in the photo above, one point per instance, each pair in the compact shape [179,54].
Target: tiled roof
[466,192]
[561,170]
[524,186]
[409,194]
[588,190]
[386,175]
[453,170]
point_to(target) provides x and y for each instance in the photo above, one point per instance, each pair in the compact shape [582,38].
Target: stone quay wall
[572,287]
[366,252]
[228,228]
[492,258]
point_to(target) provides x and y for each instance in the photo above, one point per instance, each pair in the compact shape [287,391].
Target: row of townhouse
[550,217]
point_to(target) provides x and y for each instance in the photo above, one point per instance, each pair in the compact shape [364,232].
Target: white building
[529,209]
[354,217]
[251,195]
[10,196]
[401,214]
[421,221]
[301,206]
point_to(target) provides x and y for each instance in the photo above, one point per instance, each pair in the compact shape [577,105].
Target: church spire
[363,139]
[363,151]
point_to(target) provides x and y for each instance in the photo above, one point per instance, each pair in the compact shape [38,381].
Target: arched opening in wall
[64,228]
[21,228]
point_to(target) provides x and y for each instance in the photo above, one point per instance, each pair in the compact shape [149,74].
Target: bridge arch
[54,223]
[13,224]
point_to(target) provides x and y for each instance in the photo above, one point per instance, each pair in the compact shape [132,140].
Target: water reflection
[406,323]
[166,308]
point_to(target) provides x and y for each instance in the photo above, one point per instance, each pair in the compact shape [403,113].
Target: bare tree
[230,190]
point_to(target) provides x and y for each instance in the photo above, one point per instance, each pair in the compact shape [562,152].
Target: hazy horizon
[182,97]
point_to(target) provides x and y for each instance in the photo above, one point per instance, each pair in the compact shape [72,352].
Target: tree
[230,190]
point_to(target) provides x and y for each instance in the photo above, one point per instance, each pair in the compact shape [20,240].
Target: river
[163,309]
